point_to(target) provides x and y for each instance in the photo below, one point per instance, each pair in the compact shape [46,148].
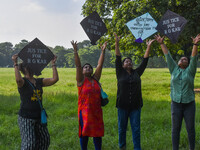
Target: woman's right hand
[14,58]
[75,45]
[159,39]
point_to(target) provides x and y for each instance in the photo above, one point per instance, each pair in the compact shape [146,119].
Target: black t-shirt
[129,95]
[29,107]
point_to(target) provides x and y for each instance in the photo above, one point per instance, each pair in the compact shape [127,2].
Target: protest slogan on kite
[94,27]
[171,25]
[36,55]
[142,27]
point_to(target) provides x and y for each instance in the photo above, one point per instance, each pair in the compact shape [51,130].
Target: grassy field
[60,102]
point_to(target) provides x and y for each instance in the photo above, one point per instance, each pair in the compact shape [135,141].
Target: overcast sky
[54,22]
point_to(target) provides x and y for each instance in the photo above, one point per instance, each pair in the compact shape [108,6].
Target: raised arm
[148,43]
[79,71]
[55,78]
[18,77]
[170,61]
[195,45]
[97,74]
[160,40]
[117,51]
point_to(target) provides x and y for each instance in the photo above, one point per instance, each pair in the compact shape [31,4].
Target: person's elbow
[56,79]
[53,81]
[19,82]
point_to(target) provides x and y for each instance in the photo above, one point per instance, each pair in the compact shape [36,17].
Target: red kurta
[89,102]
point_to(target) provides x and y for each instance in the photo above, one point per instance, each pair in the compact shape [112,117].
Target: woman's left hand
[103,47]
[196,39]
[149,42]
[53,61]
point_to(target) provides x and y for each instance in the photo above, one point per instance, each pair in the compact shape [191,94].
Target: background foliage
[116,13]
[87,52]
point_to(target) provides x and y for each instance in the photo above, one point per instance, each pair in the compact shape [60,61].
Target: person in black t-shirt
[33,134]
[129,96]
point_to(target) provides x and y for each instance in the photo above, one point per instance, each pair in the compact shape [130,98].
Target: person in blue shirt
[182,92]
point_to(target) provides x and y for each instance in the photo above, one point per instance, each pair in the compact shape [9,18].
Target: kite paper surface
[36,55]
[94,27]
[171,25]
[142,27]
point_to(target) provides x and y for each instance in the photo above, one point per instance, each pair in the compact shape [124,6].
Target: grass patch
[61,102]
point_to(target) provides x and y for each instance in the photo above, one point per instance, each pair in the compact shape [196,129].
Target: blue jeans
[123,116]
[178,112]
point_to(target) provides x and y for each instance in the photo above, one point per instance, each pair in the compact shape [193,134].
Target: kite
[142,27]
[171,25]
[94,27]
[36,55]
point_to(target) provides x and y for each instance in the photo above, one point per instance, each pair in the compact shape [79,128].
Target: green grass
[60,101]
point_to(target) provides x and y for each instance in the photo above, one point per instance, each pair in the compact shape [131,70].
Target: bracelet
[15,65]
[196,44]
[53,65]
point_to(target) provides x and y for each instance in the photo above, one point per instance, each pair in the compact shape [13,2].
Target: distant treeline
[87,52]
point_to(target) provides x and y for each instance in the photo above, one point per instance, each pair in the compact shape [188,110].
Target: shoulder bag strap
[97,82]
[39,101]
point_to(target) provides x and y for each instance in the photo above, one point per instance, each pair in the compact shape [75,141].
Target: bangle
[196,44]
[15,65]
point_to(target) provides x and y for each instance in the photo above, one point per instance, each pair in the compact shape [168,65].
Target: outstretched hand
[14,58]
[159,39]
[149,42]
[117,38]
[103,47]
[196,39]
[53,61]
[75,45]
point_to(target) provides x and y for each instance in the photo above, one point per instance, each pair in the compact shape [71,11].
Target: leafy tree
[20,46]
[60,52]
[6,50]
[84,44]
[116,13]
[70,58]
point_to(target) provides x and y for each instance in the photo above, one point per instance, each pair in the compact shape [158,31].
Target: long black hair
[125,59]
[23,66]
[87,64]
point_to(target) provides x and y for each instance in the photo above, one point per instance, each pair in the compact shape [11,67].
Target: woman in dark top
[129,96]
[33,135]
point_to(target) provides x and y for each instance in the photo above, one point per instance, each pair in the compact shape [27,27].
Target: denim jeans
[134,116]
[178,112]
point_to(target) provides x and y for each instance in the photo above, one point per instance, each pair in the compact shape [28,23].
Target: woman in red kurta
[89,101]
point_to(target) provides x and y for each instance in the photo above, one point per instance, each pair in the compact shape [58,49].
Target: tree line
[65,56]
[115,14]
